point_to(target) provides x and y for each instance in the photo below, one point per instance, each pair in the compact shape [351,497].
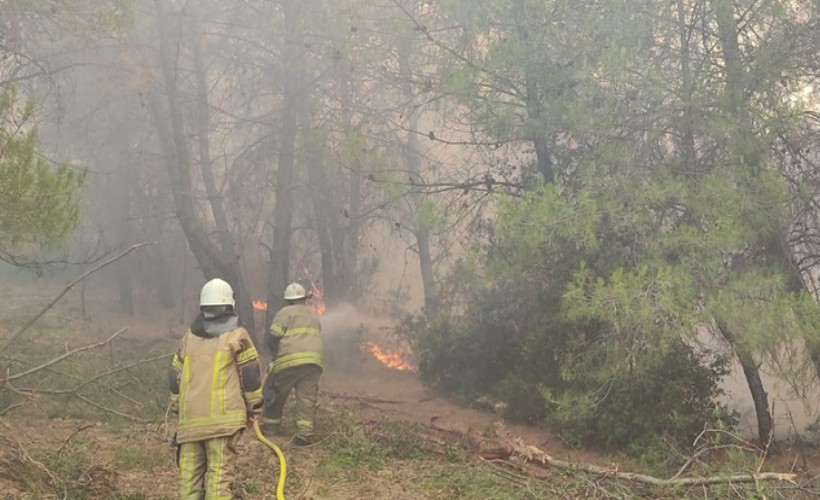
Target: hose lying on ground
[280,486]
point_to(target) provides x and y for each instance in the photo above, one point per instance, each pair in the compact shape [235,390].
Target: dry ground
[382,434]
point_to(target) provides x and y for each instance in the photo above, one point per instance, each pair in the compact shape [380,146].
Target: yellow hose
[280,486]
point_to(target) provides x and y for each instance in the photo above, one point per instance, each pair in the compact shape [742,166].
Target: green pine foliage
[39,202]
[597,290]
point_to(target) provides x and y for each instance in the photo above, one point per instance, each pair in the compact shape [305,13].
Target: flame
[316,299]
[389,359]
[316,294]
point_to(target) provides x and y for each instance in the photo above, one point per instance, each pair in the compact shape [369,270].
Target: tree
[39,202]
[664,218]
[217,258]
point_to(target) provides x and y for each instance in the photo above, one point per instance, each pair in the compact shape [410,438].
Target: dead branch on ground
[22,329]
[64,356]
[705,449]
[75,391]
[24,454]
[535,455]
[112,411]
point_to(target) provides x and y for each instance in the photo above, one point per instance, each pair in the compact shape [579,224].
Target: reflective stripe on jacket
[300,333]
[211,400]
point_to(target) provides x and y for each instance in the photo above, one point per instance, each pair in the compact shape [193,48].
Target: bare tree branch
[65,290]
[64,356]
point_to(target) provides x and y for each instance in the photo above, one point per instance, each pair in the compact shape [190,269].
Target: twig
[703,451]
[68,439]
[437,427]
[65,290]
[67,354]
[12,407]
[121,368]
[505,474]
[24,455]
[109,410]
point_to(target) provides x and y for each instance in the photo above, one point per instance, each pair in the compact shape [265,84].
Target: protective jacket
[296,337]
[215,380]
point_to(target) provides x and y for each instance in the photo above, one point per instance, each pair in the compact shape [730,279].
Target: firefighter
[216,390]
[295,341]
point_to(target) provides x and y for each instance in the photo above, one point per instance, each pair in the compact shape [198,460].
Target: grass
[357,456]
[478,481]
[135,457]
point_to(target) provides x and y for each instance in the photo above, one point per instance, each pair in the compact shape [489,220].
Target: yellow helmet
[216,292]
[295,291]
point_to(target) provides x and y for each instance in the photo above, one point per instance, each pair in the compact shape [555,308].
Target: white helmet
[295,291]
[216,292]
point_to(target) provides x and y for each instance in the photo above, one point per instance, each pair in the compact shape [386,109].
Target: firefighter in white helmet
[216,390]
[295,341]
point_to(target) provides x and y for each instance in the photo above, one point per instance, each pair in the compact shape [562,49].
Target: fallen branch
[533,454]
[64,356]
[119,369]
[113,412]
[17,333]
[93,379]
[75,391]
[439,428]
[25,456]
[362,399]
[68,439]
[743,446]
[12,407]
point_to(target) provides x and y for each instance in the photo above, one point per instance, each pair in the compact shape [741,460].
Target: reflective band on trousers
[296,359]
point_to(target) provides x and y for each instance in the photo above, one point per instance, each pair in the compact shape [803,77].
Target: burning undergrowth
[352,337]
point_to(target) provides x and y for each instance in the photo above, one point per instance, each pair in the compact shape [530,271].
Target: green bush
[573,374]
[669,396]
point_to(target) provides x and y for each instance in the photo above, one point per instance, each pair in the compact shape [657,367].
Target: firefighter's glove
[175,404]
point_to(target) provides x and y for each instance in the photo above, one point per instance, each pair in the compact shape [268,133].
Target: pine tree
[39,202]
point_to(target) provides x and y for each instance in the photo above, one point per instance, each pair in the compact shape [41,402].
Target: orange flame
[260,305]
[389,359]
[316,299]
[316,294]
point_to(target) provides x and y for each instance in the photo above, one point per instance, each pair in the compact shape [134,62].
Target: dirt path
[354,374]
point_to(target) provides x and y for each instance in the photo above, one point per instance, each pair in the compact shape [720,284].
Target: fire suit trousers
[303,380]
[206,468]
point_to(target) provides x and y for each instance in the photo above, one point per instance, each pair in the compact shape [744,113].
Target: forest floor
[380,432]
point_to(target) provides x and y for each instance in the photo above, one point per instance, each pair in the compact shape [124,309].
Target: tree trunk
[412,161]
[278,272]
[125,287]
[734,101]
[733,66]
[349,242]
[687,87]
[751,371]
[212,260]
[165,294]
[233,274]
[543,161]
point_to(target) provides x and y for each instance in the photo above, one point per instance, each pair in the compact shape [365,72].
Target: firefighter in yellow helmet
[295,341]
[216,390]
